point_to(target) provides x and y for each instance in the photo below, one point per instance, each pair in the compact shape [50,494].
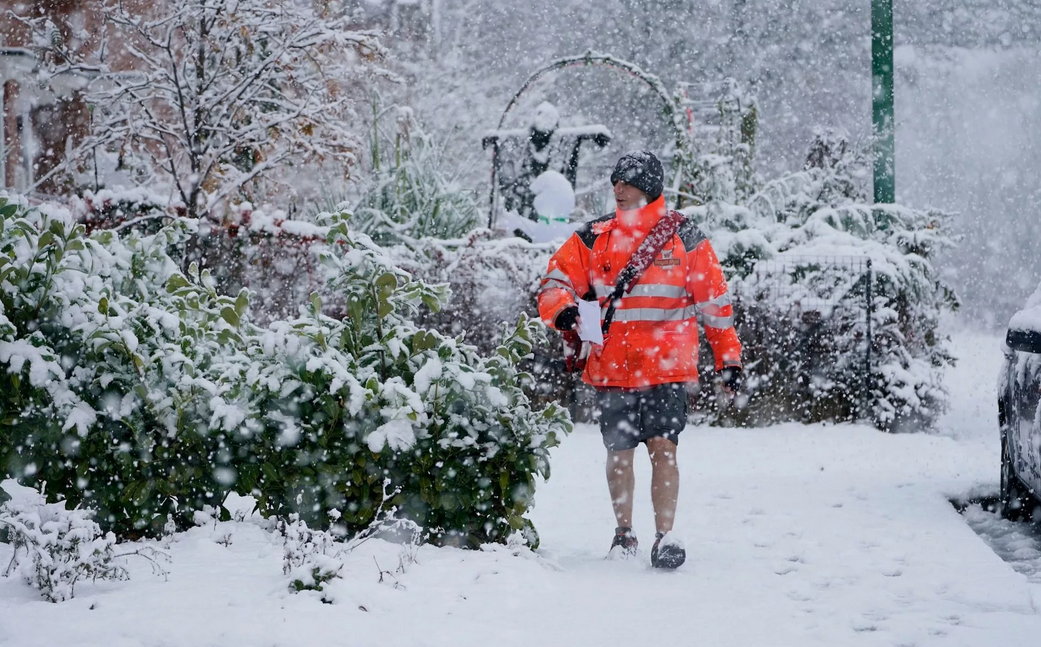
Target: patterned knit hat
[642,170]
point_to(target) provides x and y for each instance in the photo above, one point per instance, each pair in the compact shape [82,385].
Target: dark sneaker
[624,544]
[668,551]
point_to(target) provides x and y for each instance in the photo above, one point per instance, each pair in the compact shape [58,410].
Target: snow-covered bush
[264,251]
[797,256]
[103,368]
[136,207]
[407,200]
[492,280]
[309,557]
[371,396]
[55,548]
[144,393]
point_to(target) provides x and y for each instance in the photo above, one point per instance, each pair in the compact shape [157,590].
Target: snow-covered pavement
[796,535]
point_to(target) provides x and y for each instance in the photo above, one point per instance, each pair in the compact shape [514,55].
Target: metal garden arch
[670,107]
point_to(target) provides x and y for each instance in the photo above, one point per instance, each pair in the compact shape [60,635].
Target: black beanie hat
[642,170]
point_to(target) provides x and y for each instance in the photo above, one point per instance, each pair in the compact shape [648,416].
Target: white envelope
[589,329]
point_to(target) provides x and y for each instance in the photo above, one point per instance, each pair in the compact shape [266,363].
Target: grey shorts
[629,417]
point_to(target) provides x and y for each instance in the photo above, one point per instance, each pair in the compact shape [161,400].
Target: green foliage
[315,580]
[142,392]
[410,196]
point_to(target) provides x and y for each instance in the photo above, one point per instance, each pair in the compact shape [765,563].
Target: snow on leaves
[164,395]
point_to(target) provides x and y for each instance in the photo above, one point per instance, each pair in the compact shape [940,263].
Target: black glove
[567,318]
[731,378]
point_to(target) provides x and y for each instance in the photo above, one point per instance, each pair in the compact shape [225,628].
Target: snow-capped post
[882,101]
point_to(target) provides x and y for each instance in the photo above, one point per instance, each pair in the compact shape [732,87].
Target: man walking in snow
[667,276]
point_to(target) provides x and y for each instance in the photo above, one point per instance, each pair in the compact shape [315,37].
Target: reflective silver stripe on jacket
[557,279]
[707,312]
[720,301]
[557,275]
[655,314]
[556,283]
[645,290]
[717,322]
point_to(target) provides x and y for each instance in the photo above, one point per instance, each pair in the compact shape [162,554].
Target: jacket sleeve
[565,281]
[707,284]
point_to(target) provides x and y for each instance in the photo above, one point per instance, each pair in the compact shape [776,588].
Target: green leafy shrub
[140,391]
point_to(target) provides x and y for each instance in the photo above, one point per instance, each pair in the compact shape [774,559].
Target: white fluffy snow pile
[554,197]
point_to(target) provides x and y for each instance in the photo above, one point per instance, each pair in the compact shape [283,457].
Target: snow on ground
[973,385]
[796,535]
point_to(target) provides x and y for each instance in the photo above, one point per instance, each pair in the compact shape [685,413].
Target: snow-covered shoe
[668,551]
[624,544]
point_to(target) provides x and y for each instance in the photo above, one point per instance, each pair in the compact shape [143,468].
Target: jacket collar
[641,219]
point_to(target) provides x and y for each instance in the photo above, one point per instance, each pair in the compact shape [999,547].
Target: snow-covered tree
[220,97]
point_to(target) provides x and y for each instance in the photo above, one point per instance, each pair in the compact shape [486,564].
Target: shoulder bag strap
[657,238]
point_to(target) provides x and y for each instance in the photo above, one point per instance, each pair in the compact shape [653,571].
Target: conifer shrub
[138,390]
[796,254]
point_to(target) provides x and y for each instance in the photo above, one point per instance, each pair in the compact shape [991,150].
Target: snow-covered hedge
[140,391]
[796,253]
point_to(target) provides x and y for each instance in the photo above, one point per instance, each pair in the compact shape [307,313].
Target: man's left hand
[731,376]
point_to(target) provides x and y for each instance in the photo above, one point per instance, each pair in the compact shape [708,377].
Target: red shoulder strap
[656,239]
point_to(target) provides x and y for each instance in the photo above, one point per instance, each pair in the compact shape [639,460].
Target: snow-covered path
[796,535]
[801,535]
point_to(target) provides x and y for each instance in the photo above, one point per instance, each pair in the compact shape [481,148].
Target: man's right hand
[567,319]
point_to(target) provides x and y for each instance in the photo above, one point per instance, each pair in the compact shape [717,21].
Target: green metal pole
[882,100]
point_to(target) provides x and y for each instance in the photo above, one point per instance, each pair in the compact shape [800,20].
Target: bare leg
[665,482]
[621,482]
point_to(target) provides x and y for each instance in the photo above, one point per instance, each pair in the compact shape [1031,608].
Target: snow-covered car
[1019,415]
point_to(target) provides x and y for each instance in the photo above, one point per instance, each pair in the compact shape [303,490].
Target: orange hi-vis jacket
[653,338]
